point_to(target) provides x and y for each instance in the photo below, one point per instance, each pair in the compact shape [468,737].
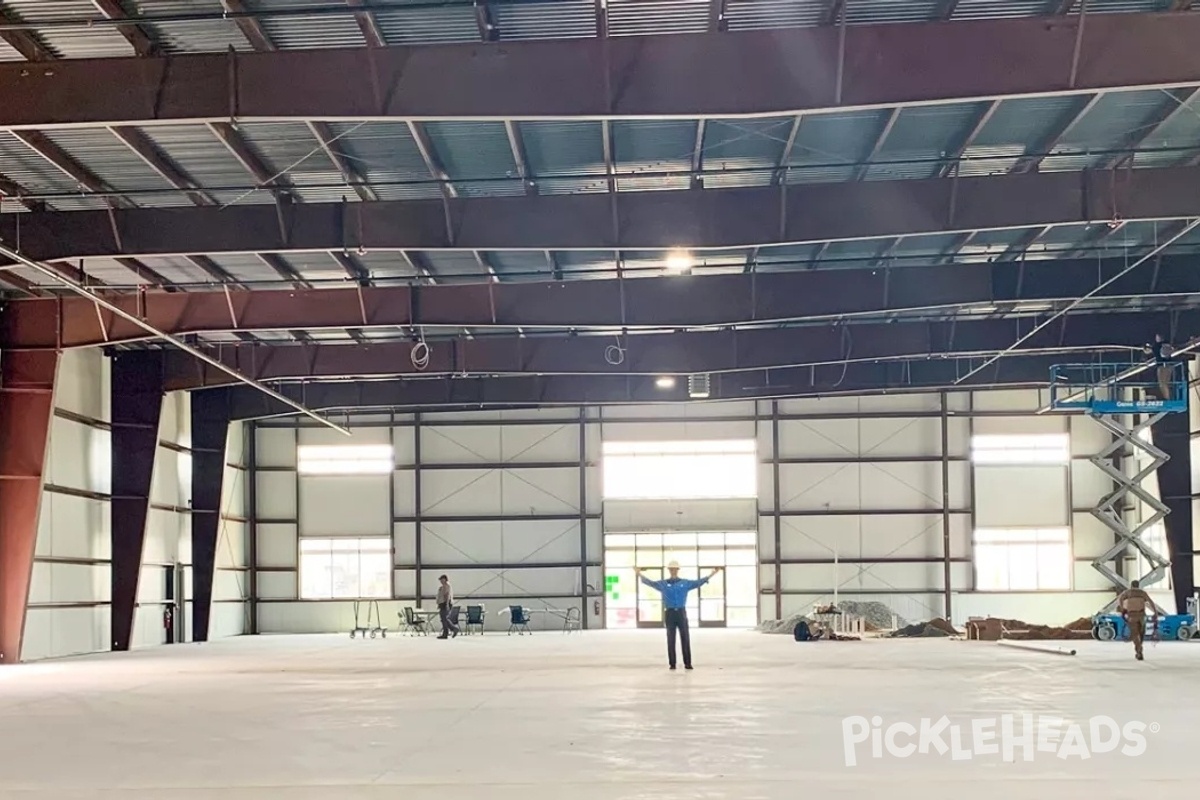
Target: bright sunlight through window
[1045,448]
[1022,559]
[345,568]
[680,470]
[364,459]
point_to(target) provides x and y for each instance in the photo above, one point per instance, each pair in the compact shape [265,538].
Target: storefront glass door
[729,599]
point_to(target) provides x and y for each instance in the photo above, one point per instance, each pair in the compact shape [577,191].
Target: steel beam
[532,392]
[708,352]
[47,149]
[712,219]
[350,173]
[135,34]
[137,395]
[161,163]
[367,23]
[26,408]
[1172,435]
[637,305]
[24,42]
[708,74]
[210,427]
[251,28]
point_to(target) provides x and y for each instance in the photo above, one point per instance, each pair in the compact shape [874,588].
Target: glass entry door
[729,599]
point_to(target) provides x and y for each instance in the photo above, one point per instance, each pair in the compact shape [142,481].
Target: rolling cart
[368,629]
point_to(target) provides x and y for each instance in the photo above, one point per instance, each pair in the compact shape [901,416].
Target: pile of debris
[876,616]
[934,628]
[1021,630]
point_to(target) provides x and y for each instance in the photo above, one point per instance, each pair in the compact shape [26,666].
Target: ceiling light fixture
[665,382]
[680,261]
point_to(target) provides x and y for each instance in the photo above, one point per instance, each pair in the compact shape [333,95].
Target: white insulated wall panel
[70,583]
[471,444]
[870,536]
[1088,484]
[1038,608]
[58,632]
[1018,401]
[276,495]
[1021,496]
[680,412]
[1090,538]
[277,546]
[867,577]
[73,527]
[850,405]
[1020,424]
[1088,437]
[866,437]
[493,542]
[510,491]
[508,582]
[82,384]
[79,457]
[278,586]
[404,485]
[687,515]
[276,447]
[344,505]
[314,435]
[870,486]
[677,431]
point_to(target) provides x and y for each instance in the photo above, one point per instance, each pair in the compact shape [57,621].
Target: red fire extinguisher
[168,615]
[596,607]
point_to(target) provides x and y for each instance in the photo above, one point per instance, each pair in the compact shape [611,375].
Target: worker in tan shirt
[445,604]
[1132,604]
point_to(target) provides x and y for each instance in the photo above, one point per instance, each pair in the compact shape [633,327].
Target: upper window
[1040,448]
[345,568]
[362,459]
[1022,559]
[680,470]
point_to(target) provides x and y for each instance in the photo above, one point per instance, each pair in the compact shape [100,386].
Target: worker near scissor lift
[1161,351]
[674,591]
[1132,604]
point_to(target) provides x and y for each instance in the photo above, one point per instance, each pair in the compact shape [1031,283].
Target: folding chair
[412,623]
[474,619]
[573,620]
[519,621]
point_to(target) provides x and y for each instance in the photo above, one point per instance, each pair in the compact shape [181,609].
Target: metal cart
[368,629]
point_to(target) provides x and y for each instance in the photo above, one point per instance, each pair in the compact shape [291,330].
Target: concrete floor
[595,716]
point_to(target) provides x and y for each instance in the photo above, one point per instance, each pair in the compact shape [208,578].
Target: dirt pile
[934,628]
[1022,630]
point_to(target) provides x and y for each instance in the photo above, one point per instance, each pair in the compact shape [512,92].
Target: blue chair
[519,621]
[475,617]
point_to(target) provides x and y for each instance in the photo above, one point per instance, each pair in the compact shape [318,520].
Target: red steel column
[26,408]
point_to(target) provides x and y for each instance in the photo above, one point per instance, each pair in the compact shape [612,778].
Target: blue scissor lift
[1108,393]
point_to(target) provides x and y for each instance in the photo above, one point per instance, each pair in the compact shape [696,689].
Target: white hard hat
[673,565]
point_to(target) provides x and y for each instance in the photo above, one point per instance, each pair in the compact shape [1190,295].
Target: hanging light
[665,382]
[680,261]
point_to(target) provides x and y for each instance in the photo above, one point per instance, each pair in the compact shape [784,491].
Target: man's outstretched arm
[641,573]
[705,579]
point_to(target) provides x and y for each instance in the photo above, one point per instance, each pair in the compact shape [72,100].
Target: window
[1022,559]
[363,459]
[680,470]
[1155,538]
[339,569]
[1045,448]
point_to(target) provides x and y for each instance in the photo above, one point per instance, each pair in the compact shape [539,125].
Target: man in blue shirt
[674,597]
